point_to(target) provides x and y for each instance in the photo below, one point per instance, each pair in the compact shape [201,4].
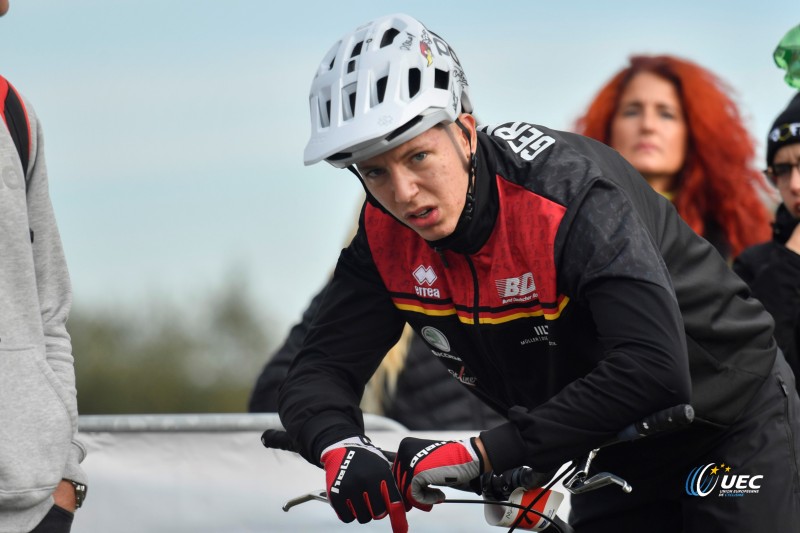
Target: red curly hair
[718,181]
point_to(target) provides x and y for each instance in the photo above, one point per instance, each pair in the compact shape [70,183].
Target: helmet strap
[371,199]
[469,203]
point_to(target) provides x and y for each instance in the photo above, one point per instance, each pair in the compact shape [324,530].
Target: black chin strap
[371,199]
[469,203]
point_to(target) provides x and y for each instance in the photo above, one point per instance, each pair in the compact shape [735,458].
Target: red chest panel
[514,272]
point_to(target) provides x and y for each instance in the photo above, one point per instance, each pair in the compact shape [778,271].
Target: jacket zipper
[482,345]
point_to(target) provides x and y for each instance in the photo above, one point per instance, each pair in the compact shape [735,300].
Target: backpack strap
[16,118]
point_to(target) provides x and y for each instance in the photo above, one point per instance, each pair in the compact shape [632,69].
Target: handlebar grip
[527,478]
[670,418]
[280,440]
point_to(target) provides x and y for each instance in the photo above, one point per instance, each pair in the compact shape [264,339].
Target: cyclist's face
[789,185]
[649,129]
[423,182]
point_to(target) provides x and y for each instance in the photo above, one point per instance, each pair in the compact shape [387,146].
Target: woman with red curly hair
[675,123]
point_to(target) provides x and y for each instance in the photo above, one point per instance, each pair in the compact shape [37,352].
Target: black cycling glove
[360,484]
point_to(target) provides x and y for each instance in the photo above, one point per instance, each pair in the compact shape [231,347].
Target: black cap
[785,130]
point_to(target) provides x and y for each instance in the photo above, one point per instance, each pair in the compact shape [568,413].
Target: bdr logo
[702,480]
[515,286]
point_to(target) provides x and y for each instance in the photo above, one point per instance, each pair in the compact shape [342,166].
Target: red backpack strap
[16,118]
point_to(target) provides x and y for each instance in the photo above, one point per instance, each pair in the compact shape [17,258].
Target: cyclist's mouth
[423,218]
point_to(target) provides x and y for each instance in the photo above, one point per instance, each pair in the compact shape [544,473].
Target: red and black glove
[421,463]
[360,485]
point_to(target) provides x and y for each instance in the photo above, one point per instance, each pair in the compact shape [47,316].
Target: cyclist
[554,283]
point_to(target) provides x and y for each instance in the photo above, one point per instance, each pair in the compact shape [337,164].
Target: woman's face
[649,129]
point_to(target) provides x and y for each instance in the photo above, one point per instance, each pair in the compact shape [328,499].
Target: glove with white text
[359,482]
[421,463]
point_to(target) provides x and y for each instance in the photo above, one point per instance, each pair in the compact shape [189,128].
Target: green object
[787,56]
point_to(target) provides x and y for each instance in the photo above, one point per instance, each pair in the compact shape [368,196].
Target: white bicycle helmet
[379,86]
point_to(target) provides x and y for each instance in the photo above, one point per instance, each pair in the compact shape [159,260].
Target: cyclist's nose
[404,186]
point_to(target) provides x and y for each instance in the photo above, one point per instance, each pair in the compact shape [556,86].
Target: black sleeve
[611,266]
[746,264]
[777,285]
[356,325]
[264,398]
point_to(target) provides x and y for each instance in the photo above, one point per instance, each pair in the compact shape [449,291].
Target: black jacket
[773,273]
[575,301]
[425,398]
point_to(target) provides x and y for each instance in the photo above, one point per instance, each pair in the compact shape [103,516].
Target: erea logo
[702,480]
[424,275]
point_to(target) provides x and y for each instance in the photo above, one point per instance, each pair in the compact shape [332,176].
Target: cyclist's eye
[420,156]
[372,173]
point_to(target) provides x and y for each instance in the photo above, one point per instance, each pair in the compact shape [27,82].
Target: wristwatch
[80,493]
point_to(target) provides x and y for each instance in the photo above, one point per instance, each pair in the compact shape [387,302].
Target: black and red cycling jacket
[574,301]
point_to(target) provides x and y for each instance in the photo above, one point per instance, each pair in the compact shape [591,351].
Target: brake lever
[318,495]
[595,482]
[578,482]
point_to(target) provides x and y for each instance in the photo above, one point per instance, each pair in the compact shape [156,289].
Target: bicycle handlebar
[671,418]
[280,440]
[497,488]
[500,486]
[667,419]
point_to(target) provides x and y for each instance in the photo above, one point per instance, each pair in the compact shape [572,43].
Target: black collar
[784,225]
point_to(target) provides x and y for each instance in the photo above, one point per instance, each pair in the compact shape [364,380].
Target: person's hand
[64,496]
[421,463]
[359,482]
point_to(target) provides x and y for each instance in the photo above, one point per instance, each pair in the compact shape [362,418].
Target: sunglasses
[781,171]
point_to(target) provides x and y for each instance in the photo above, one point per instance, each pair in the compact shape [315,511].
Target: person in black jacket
[662,113]
[551,280]
[772,269]
[416,390]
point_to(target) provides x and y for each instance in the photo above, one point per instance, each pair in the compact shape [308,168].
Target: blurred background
[174,134]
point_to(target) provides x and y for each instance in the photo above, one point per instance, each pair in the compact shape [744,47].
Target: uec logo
[702,480]
[699,483]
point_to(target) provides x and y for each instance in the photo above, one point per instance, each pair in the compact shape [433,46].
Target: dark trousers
[673,491]
[57,520]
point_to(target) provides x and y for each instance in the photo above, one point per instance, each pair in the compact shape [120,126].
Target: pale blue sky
[175,128]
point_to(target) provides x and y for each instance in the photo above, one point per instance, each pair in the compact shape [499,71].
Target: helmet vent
[352,100]
[404,128]
[414,77]
[381,87]
[351,66]
[340,156]
[348,101]
[441,79]
[389,36]
[356,49]
[326,118]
